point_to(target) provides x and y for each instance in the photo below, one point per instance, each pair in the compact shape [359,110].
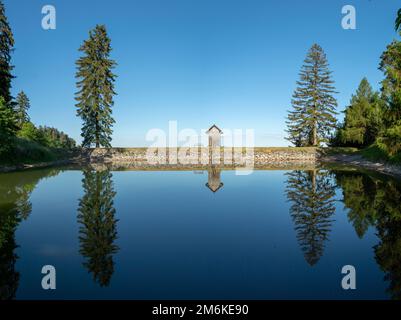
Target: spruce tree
[312,117]
[22,105]
[6,48]
[398,21]
[390,64]
[363,118]
[8,127]
[95,82]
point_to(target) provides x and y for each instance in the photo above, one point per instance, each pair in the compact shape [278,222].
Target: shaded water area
[211,234]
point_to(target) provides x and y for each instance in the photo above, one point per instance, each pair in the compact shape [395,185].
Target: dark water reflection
[98,229]
[144,235]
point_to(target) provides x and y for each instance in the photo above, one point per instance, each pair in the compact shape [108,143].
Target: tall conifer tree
[391,93]
[312,117]
[8,127]
[22,105]
[95,82]
[363,119]
[6,48]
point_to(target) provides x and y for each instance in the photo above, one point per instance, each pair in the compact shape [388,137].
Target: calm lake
[274,234]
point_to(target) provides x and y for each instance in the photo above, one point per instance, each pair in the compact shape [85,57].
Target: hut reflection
[214,179]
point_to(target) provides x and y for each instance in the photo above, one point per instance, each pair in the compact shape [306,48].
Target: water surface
[199,235]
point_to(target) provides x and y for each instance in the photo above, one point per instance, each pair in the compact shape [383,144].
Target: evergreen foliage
[53,138]
[46,136]
[6,48]
[390,64]
[363,120]
[21,107]
[95,82]
[8,128]
[312,118]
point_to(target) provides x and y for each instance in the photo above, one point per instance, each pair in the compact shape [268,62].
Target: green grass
[339,150]
[375,153]
[30,152]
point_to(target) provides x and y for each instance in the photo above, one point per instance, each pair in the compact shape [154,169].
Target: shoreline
[358,161]
[264,158]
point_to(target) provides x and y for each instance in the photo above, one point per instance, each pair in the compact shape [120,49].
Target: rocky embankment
[261,158]
[148,158]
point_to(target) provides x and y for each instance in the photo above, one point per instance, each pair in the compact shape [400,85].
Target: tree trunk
[314,135]
[97,135]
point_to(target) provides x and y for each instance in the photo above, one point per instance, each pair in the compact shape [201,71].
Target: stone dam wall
[201,157]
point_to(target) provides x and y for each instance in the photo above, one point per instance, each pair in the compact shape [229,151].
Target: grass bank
[27,152]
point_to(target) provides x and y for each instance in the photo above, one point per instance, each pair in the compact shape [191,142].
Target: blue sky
[229,62]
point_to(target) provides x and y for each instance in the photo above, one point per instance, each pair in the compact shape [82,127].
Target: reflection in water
[98,229]
[213,179]
[376,202]
[371,201]
[311,194]
[15,190]
[359,194]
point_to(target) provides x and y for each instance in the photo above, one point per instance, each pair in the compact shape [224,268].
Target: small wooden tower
[214,133]
[214,180]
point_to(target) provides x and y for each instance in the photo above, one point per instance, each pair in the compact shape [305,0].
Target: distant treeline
[372,120]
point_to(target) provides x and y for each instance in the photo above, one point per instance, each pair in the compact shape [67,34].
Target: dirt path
[359,161]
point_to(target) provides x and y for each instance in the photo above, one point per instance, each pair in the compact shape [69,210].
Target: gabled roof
[215,189]
[214,126]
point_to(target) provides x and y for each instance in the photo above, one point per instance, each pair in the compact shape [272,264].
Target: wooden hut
[214,134]
[214,180]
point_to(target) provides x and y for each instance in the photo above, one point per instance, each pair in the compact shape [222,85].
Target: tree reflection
[311,194]
[375,201]
[98,229]
[15,190]
[359,193]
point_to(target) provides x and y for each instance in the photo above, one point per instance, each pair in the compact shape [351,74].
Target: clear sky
[229,62]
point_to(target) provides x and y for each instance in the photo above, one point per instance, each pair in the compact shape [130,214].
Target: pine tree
[6,48]
[22,105]
[8,127]
[95,82]
[363,118]
[312,117]
[398,21]
[391,93]
[98,229]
